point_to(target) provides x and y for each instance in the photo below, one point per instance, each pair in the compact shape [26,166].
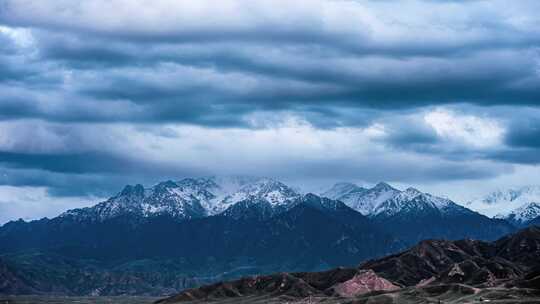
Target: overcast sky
[96,94]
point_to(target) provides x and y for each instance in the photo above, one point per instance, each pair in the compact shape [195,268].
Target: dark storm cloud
[62,184]
[9,73]
[517,156]
[396,170]
[292,67]
[409,133]
[524,133]
[70,163]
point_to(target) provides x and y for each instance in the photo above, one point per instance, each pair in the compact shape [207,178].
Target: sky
[437,94]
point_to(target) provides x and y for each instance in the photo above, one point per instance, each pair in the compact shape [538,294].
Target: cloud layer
[97,94]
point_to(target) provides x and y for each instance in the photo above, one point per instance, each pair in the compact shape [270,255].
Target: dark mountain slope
[322,232]
[10,282]
[533,222]
[464,261]
[430,271]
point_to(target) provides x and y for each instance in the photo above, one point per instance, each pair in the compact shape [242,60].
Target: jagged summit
[165,198]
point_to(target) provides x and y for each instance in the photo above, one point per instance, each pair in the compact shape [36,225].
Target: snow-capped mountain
[417,215]
[189,198]
[361,199]
[384,201]
[180,200]
[413,201]
[221,187]
[274,192]
[262,198]
[522,215]
[251,197]
[503,203]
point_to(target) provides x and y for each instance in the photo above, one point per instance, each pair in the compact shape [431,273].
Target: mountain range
[181,234]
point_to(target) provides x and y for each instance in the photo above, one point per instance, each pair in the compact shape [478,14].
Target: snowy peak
[387,200]
[269,190]
[261,199]
[361,199]
[165,198]
[412,201]
[412,192]
[178,200]
[520,216]
[371,199]
[503,202]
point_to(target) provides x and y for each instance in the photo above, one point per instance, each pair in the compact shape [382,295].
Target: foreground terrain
[504,271]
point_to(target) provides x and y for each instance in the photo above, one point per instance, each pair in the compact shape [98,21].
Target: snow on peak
[189,197]
[166,198]
[361,199]
[523,214]
[413,200]
[410,193]
[504,202]
[266,189]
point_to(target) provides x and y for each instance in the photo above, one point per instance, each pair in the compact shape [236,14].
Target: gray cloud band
[366,67]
